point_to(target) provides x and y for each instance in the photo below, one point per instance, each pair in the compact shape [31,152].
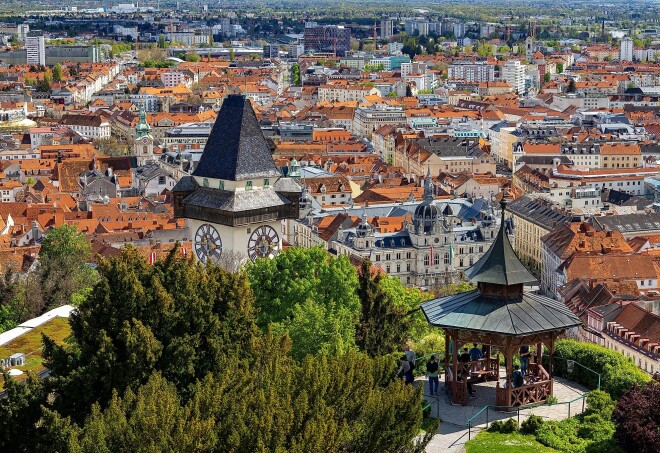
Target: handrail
[519,408]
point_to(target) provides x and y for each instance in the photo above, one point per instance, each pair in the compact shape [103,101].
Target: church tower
[236,199]
[143,144]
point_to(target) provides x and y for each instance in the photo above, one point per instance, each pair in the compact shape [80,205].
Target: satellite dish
[15,372]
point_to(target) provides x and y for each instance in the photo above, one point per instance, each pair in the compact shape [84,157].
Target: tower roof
[500,264]
[236,149]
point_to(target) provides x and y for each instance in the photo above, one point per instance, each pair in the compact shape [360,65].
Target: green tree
[192,57]
[162,44]
[63,268]
[295,74]
[232,54]
[384,325]
[560,68]
[298,275]
[57,72]
[546,77]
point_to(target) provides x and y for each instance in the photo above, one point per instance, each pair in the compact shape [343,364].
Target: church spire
[142,128]
[428,186]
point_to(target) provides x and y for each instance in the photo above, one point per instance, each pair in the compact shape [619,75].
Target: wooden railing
[535,391]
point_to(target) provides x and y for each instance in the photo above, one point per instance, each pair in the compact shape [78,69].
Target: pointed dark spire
[500,264]
[428,185]
[236,149]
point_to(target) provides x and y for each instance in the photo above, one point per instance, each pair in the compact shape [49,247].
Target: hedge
[618,372]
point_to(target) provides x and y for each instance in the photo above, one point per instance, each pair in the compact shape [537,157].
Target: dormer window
[221,185]
[266,183]
[248,185]
[205,182]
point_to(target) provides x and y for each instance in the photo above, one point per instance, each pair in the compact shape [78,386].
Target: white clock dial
[208,245]
[263,243]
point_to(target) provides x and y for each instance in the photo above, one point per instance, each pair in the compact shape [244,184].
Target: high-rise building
[513,72]
[627,49]
[271,51]
[459,30]
[333,39]
[471,71]
[386,28]
[22,31]
[296,49]
[35,46]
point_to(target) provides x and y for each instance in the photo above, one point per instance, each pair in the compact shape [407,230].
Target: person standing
[405,371]
[432,373]
[465,356]
[411,356]
[524,358]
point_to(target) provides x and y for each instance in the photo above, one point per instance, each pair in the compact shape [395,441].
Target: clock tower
[143,145]
[236,199]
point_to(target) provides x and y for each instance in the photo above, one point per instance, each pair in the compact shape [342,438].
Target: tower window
[248,185]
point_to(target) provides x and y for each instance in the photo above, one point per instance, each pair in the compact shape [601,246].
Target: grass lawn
[505,443]
[30,344]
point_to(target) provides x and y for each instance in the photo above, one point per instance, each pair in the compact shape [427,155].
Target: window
[221,185]
[162,180]
[408,267]
[426,260]
[398,268]
[248,185]
[436,259]
[205,182]
[267,184]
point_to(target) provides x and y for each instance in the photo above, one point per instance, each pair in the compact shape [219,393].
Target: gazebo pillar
[508,359]
[551,353]
[446,359]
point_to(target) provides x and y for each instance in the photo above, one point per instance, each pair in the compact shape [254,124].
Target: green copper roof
[524,314]
[142,128]
[500,264]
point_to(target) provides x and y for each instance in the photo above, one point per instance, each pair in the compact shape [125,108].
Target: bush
[600,402]
[507,427]
[637,419]
[496,426]
[618,372]
[510,426]
[590,432]
[531,425]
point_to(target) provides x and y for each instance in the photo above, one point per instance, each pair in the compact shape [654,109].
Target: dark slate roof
[236,149]
[287,185]
[225,200]
[628,223]
[537,211]
[185,184]
[519,315]
[500,264]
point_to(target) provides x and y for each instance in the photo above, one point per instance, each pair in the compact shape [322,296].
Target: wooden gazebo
[500,315]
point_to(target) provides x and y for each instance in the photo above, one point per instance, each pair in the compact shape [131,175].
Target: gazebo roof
[500,265]
[519,315]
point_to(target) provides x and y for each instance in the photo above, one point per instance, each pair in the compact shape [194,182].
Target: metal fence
[507,411]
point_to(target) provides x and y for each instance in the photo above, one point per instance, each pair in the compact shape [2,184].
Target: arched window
[426,260]
[436,259]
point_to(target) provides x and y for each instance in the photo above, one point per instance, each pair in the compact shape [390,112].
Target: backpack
[432,367]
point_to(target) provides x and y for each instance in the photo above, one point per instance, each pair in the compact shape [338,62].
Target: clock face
[263,243]
[145,140]
[208,245]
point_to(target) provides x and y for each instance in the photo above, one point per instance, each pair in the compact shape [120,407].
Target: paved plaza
[453,432]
